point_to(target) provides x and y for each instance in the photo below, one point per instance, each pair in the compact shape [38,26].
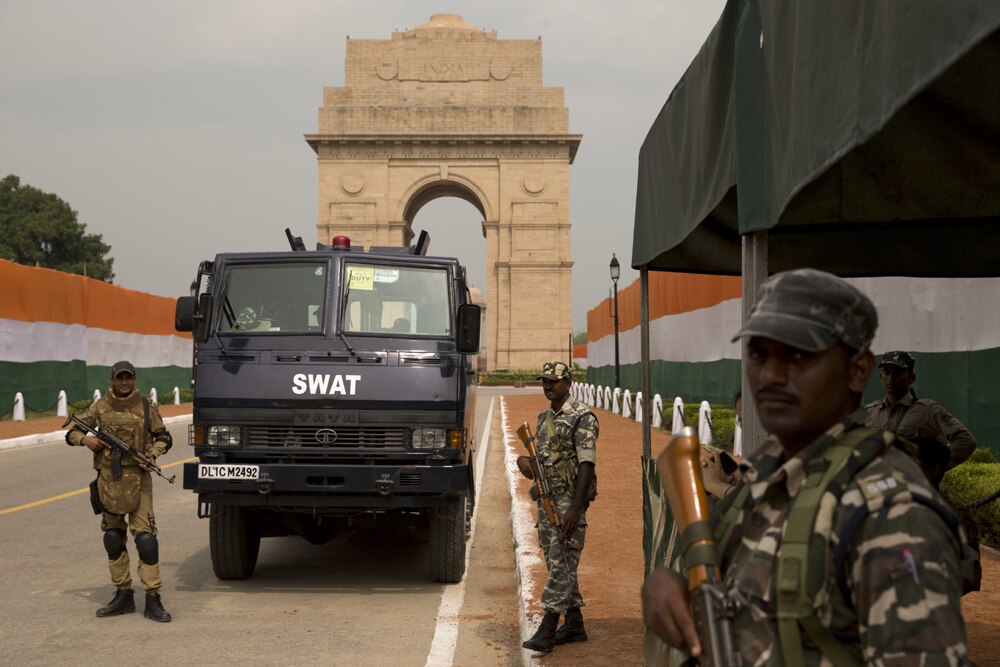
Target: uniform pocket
[119,496]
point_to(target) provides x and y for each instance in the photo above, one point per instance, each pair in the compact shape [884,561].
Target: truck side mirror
[184,313]
[469,318]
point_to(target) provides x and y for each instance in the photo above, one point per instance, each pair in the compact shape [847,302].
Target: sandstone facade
[448,110]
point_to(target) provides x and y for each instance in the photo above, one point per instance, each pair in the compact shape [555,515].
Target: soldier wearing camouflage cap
[833,547]
[566,440]
[126,487]
[901,412]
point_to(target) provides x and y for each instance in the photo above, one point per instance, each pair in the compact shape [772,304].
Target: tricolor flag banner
[60,331]
[950,325]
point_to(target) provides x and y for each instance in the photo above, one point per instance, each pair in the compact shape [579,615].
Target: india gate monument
[446,109]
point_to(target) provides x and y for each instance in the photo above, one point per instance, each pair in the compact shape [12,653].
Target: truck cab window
[396,301]
[267,298]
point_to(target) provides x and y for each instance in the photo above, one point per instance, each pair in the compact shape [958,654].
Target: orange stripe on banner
[580,351]
[669,294]
[31,294]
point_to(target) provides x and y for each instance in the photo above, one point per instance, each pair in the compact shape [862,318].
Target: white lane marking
[527,553]
[442,653]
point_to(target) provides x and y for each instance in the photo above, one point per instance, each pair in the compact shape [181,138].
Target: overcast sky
[175,129]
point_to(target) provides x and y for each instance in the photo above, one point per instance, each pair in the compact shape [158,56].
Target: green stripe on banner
[712,381]
[964,382]
[41,381]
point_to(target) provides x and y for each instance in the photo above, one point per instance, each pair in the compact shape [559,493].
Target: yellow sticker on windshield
[362,277]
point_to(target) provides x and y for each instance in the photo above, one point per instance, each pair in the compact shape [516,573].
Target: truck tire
[234,541]
[448,538]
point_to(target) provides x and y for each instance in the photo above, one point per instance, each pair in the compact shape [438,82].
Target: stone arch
[433,187]
[448,110]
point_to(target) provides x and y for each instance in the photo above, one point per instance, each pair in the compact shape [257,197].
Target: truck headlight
[428,438]
[223,436]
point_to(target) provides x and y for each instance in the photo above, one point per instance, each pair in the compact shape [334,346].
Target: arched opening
[452,216]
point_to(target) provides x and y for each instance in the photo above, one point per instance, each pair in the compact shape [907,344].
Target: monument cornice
[390,145]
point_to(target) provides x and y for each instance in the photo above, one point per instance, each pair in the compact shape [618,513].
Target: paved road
[358,600]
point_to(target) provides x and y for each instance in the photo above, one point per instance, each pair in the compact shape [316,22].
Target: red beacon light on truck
[341,243]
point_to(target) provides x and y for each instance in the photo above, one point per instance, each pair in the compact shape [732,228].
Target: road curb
[56,436]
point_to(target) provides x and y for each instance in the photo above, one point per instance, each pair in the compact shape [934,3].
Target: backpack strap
[145,423]
[795,605]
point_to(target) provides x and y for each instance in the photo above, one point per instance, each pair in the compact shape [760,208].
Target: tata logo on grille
[326,436]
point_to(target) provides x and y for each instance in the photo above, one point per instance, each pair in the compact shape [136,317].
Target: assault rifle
[541,488]
[118,445]
[680,475]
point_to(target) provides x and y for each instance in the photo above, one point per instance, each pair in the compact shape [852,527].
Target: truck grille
[328,438]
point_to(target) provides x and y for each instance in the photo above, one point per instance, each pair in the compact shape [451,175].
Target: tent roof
[865,135]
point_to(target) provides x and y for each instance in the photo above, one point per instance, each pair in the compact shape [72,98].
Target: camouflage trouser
[141,520]
[562,557]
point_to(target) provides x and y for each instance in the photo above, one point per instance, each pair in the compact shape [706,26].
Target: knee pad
[114,542]
[148,548]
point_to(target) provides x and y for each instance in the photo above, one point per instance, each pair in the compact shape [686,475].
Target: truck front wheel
[448,537]
[234,541]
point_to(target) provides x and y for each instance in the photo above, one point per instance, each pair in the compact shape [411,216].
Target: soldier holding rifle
[833,548]
[126,487]
[566,451]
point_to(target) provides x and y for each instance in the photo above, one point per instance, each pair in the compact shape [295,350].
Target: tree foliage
[40,229]
[580,337]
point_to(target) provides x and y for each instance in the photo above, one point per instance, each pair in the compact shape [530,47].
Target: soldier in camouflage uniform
[566,441]
[880,583]
[126,487]
[910,417]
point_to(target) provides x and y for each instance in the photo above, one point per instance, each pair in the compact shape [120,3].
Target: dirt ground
[611,570]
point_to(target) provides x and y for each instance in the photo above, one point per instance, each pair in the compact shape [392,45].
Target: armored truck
[334,390]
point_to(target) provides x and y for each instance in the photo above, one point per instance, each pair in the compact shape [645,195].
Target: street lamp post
[615,272]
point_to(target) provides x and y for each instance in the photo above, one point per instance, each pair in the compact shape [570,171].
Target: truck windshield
[264,298]
[396,300]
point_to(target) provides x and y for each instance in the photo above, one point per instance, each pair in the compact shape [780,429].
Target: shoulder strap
[145,423]
[795,605]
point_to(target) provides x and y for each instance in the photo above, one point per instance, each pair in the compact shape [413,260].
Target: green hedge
[974,480]
[723,422]
[503,376]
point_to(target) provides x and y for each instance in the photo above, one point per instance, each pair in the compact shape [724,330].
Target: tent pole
[754,274]
[647,407]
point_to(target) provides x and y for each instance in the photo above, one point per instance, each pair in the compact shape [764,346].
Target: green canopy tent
[861,137]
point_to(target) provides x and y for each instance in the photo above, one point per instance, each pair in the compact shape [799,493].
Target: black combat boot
[154,608]
[572,630]
[122,603]
[545,635]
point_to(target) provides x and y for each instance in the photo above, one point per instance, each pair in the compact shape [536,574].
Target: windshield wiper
[343,315]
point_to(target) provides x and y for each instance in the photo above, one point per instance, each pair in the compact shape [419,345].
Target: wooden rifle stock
[679,466]
[540,488]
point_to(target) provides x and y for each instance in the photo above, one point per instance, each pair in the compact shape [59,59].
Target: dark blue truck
[334,389]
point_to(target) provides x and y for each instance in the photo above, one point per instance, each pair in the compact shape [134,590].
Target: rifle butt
[679,466]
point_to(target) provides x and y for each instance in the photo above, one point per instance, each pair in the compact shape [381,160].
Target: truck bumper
[367,487]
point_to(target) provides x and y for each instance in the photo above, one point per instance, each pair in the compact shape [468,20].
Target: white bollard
[614,404]
[657,411]
[678,421]
[18,407]
[638,406]
[705,423]
[61,408]
[627,404]
[177,396]
[590,395]
[97,394]
[738,439]
[153,398]
[607,398]
[600,397]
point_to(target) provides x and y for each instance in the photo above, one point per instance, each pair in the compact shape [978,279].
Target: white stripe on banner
[698,335]
[27,342]
[915,314]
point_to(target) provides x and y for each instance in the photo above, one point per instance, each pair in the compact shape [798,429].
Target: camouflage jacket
[913,417]
[900,564]
[123,417]
[565,450]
